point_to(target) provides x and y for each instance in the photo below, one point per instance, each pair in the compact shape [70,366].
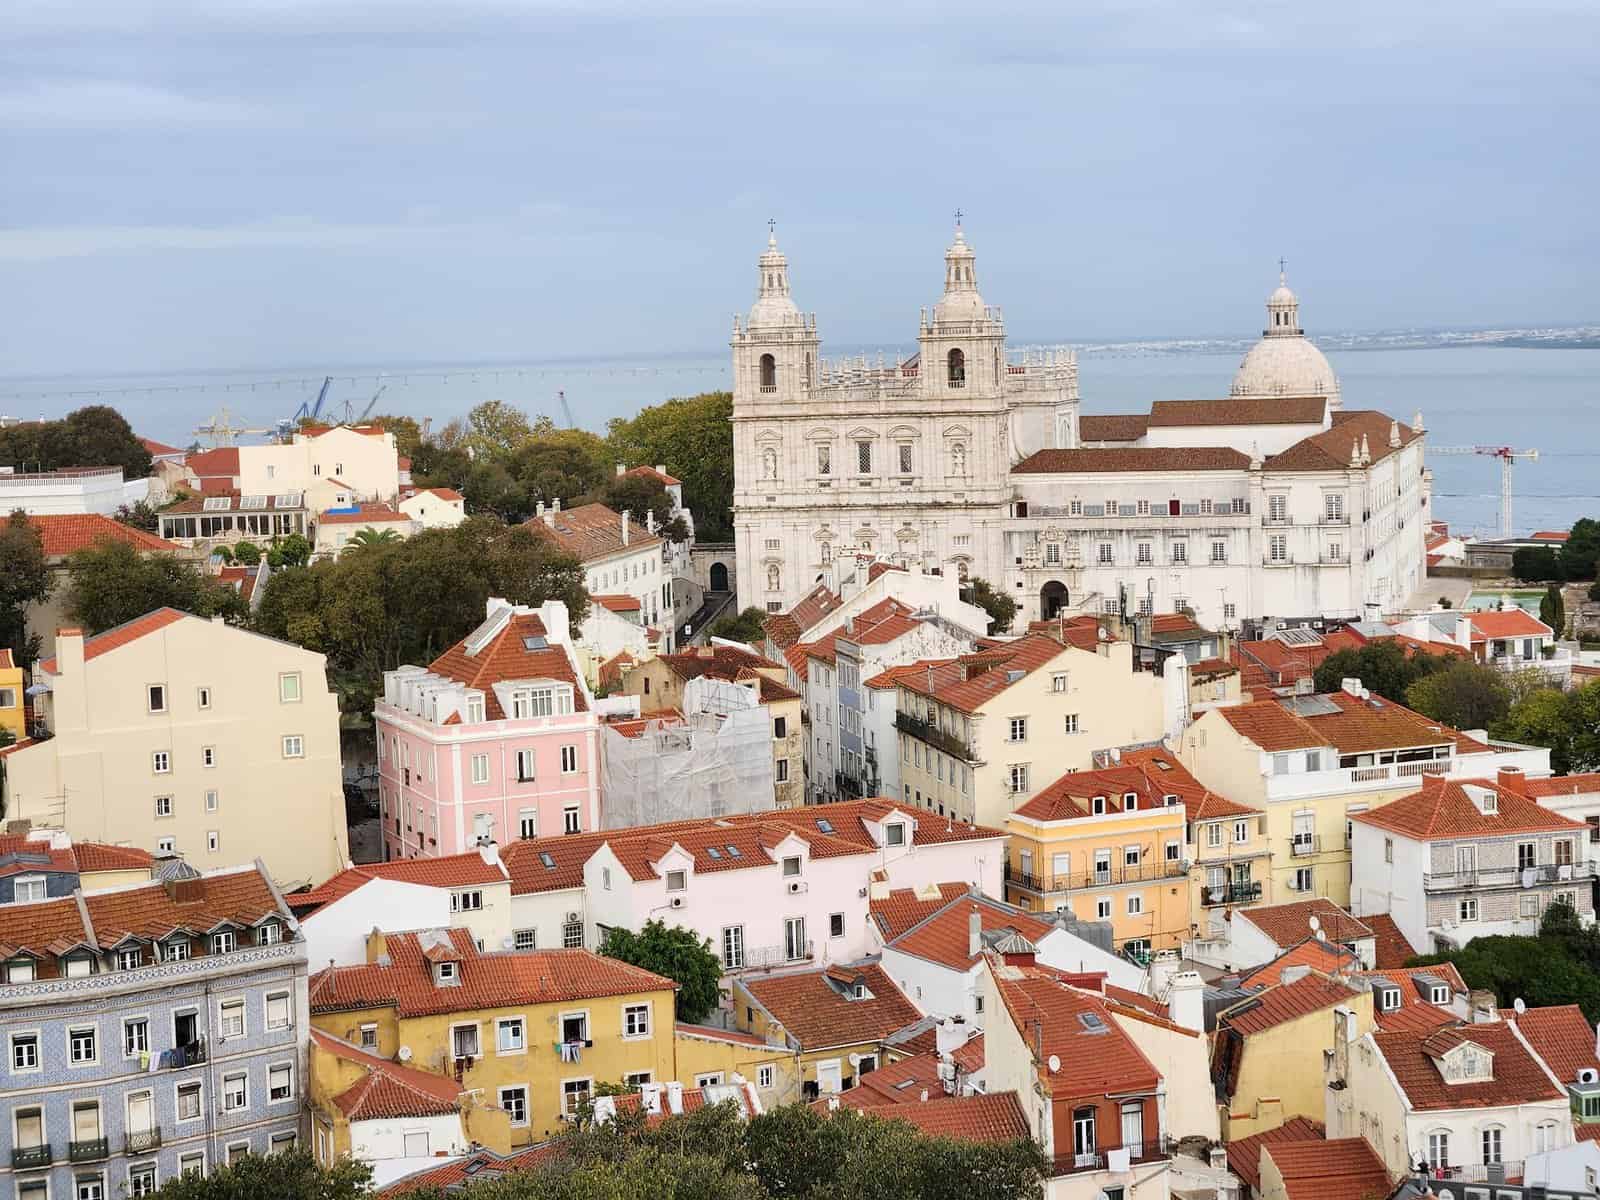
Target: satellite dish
[405,1054]
[509,942]
[1316,925]
[1519,1006]
[1054,1064]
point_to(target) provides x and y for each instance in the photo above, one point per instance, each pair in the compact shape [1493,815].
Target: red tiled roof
[1562,785]
[786,628]
[63,533]
[721,661]
[903,1082]
[1162,767]
[1244,1154]
[971,681]
[1312,952]
[487,980]
[1519,1078]
[1391,947]
[945,937]
[33,854]
[969,1056]
[1549,535]
[121,635]
[1287,410]
[364,514]
[1417,1009]
[151,911]
[389,1091]
[506,657]
[716,1033]
[479,1166]
[1113,427]
[617,604]
[1290,924]
[1285,1002]
[1444,809]
[100,856]
[1116,459]
[904,907]
[160,449]
[202,503]
[590,532]
[1336,1169]
[1509,623]
[1097,1057]
[1360,726]
[444,871]
[1562,1036]
[992,1117]
[611,670]
[817,1014]
[443,493]
[221,461]
[1330,449]
[1072,796]
[660,477]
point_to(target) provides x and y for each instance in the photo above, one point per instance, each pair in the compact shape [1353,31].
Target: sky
[193,184]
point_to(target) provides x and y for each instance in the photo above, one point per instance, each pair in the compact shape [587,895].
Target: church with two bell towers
[839,463]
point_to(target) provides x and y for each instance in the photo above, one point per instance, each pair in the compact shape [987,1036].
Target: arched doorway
[1052,599]
[719,577]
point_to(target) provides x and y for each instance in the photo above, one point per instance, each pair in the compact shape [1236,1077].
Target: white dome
[774,310]
[959,306]
[1282,295]
[1285,366]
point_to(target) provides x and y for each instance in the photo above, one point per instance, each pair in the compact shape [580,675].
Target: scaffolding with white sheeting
[714,761]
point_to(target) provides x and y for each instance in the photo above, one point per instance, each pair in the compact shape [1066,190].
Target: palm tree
[374,537]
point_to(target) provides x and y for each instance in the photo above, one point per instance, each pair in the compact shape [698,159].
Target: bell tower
[963,354]
[775,349]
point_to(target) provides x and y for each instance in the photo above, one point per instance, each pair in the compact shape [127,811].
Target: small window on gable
[894,834]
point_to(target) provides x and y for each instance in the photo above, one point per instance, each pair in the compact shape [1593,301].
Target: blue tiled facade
[93,1111]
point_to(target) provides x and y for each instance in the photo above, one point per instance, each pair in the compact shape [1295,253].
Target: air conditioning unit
[573,918]
[796,887]
[677,902]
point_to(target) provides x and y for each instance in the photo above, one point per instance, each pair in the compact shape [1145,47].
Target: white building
[435,507]
[960,460]
[321,461]
[620,556]
[86,489]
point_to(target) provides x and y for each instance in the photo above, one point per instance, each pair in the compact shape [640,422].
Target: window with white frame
[733,946]
[1019,777]
[1070,723]
[1135,904]
[161,762]
[294,746]
[1018,729]
[83,1045]
[1467,909]
[189,1101]
[280,1082]
[510,1036]
[289,687]
[515,1101]
[636,1020]
[278,1010]
[156,697]
[480,768]
[231,1023]
[569,760]
[235,1092]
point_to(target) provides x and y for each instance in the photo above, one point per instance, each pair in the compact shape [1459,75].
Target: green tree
[1594,590]
[292,1175]
[434,465]
[746,627]
[680,955]
[692,436]
[24,580]
[222,554]
[1566,722]
[1000,607]
[1553,610]
[1557,967]
[112,582]
[496,430]
[1581,552]
[1536,564]
[1383,666]
[490,487]
[96,436]
[139,516]
[561,463]
[290,550]
[1464,694]
[374,537]
[246,553]
[637,494]
[407,433]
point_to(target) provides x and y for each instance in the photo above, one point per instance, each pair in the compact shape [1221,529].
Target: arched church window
[958,458]
[961,570]
[956,369]
[774,577]
[769,463]
[769,373]
[827,553]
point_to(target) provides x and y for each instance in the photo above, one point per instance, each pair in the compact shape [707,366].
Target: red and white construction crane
[1507,457]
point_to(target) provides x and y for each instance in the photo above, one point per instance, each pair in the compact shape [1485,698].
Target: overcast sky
[275,182]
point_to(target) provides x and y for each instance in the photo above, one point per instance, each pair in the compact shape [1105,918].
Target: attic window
[1097,805]
[713,852]
[548,863]
[733,851]
[445,973]
[1170,800]
[1388,999]
[535,643]
[894,835]
[859,991]
[1130,801]
[1092,1022]
[824,825]
[1439,995]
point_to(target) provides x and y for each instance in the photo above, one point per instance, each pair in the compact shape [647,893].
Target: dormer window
[474,708]
[1170,800]
[1097,805]
[1388,999]
[677,880]
[895,834]
[791,865]
[177,950]
[20,970]
[447,974]
[130,960]
[225,942]
[1130,801]
[28,888]
[1439,995]
[269,934]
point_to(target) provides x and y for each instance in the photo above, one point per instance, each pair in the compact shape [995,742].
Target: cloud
[111,104]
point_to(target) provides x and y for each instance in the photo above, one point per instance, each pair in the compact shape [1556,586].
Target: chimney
[660,469]
[1510,779]
[539,511]
[186,891]
[69,652]
[650,520]
[377,945]
[1186,1000]
[489,852]
[622,469]
[626,517]
[1294,974]
[1351,687]
[975,934]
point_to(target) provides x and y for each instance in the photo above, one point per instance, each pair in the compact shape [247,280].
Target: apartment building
[320,461]
[178,734]
[979,734]
[1106,845]
[342,524]
[493,740]
[1462,859]
[151,1029]
[13,712]
[1311,763]
[533,1031]
[1508,638]
[620,556]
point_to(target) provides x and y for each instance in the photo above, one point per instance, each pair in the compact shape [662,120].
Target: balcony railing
[1506,876]
[930,733]
[1284,560]
[761,957]
[26,1157]
[89,1150]
[1481,1172]
[1100,1158]
[1067,881]
[155,974]
[1232,893]
[142,1140]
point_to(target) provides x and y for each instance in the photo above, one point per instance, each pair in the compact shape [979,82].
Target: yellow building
[532,1031]
[832,1023]
[708,1056]
[11,710]
[1310,762]
[659,684]
[1107,846]
[981,733]
[1267,1052]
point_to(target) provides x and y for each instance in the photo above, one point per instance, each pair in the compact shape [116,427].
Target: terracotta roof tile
[63,533]
[1392,948]
[223,460]
[121,635]
[945,937]
[1285,1002]
[971,681]
[1290,924]
[1113,427]
[488,980]
[388,1090]
[1116,459]
[733,664]
[364,514]
[818,1014]
[992,1117]
[44,929]
[1097,1056]
[99,856]
[1563,1037]
[1445,809]
[617,604]
[1509,623]
[904,907]
[1312,952]
[1336,1169]
[507,657]
[1244,1154]
[716,1033]
[1562,785]
[590,532]
[158,449]
[240,897]
[1288,410]
[1519,1078]
[1170,775]
[969,1056]
[1358,727]
[1073,795]
[445,871]
[660,477]
[788,627]
[199,504]
[902,1082]
[479,1166]
[1330,449]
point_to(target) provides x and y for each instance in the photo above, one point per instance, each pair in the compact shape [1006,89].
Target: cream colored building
[980,734]
[360,459]
[174,732]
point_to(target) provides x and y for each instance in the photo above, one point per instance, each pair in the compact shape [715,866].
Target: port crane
[1508,458]
[221,431]
[566,408]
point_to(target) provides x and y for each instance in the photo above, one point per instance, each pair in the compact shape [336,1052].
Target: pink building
[496,739]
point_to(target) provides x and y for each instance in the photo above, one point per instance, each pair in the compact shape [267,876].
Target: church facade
[971,460]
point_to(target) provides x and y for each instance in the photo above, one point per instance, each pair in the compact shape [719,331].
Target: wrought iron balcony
[89,1150]
[143,1140]
[1231,893]
[26,1157]
[1068,881]
[926,731]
